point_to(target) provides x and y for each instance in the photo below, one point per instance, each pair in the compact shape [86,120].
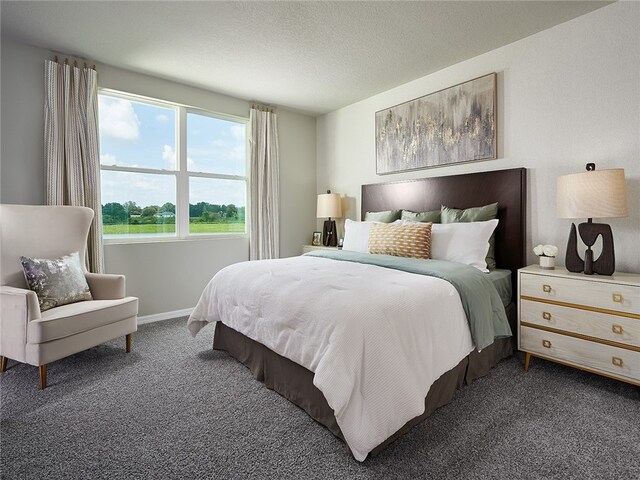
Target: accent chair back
[40,231]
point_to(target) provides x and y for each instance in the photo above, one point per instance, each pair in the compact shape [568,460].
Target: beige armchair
[38,338]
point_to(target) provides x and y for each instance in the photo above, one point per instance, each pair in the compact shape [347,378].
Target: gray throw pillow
[388,216]
[475,214]
[56,282]
[433,216]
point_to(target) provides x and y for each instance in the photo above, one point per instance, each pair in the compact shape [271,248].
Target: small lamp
[592,194]
[329,205]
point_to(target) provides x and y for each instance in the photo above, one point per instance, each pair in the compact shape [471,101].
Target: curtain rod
[262,108]
[75,62]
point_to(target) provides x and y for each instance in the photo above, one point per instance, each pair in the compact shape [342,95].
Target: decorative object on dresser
[592,194]
[587,322]
[329,206]
[547,255]
[316,239]
[454,125]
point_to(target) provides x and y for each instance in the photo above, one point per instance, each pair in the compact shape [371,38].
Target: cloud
[220,156]
[144,189]
[220,191]
[169,157]
[162,118]
[118,119]
[237,132]
[108,159]
[225,154]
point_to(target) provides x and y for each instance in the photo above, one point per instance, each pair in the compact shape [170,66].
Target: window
[216,149]
[170,172]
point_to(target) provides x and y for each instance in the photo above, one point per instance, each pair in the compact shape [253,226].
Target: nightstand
[589,322]
[310,248]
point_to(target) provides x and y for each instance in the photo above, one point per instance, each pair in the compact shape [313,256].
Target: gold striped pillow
[401,240]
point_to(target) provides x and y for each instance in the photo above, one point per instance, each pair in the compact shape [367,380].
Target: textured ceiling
[310,56]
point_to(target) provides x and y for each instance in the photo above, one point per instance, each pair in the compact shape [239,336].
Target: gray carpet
[174,408]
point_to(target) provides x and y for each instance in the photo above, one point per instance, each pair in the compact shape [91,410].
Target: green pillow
[433,216]
[474,214]
[388,216]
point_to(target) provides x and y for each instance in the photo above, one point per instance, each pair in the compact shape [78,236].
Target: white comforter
[376,338]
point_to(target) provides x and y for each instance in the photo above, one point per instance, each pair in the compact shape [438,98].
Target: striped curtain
[71,146]
[264,240]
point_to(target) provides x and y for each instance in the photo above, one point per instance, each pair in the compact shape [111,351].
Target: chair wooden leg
[3,364]
[128,341]
[43,376]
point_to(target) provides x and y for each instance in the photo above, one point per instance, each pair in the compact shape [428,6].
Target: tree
[115,211]
[210,217]
[168,207]
[197,209]
[132,208]
[149,211]
[231,211]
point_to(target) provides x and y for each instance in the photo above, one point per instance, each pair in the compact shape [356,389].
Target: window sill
[191,238]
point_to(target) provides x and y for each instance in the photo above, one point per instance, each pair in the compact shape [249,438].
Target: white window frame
[182,174]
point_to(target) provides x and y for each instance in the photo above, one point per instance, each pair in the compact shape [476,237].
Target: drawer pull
[617,329]
[546,315]
[617,298]
[617,361]
[547,289]
[546,343]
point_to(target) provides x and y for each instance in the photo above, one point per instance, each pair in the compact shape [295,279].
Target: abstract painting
[454,125]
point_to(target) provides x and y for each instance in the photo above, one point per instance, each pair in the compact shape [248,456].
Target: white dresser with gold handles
[589,322]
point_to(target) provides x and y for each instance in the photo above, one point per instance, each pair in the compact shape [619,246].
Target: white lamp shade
[329,205]
[594,194]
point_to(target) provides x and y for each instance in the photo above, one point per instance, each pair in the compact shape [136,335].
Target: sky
[140,135]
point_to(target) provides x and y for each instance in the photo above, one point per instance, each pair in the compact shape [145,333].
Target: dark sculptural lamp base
[329,236]
[589,232]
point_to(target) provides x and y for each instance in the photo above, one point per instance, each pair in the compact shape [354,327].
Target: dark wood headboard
[507,187]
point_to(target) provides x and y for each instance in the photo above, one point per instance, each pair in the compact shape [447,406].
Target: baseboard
[157,317]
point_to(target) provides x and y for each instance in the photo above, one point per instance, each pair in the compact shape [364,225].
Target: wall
[566,96]
[166,276]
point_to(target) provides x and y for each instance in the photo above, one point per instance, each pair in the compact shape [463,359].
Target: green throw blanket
[480,299]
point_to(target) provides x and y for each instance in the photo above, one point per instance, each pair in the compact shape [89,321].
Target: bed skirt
[295,383]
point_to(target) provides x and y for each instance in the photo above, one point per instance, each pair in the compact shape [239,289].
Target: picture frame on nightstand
[316,239]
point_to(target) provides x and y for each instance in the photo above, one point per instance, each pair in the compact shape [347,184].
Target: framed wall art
[454,125]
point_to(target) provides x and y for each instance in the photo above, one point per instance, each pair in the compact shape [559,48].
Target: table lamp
[329,205]
[592,194]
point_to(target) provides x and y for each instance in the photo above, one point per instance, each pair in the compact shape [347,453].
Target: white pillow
[464,242]
[356,236]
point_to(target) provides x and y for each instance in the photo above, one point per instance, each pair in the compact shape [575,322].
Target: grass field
[170,228]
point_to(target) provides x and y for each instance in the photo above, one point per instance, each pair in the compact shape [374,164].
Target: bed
[284,361]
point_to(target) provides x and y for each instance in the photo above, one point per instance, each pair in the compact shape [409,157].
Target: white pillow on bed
[356,236]
[466,242]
